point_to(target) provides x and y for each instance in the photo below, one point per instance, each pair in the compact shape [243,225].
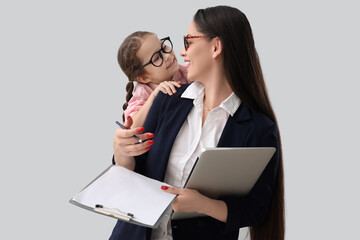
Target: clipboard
[125,195]
[226,172]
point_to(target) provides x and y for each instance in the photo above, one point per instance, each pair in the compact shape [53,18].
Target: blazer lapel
[175,114]
[236,129]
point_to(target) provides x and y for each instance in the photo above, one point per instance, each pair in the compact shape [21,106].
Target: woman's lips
[187,62]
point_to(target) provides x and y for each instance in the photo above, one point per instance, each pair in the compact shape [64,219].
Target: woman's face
[166,71]
[198,56]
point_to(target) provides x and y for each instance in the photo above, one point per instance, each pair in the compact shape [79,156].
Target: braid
[129,91]
[129,63]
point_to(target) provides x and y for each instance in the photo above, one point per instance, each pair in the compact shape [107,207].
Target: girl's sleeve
[134,105]
[140,95]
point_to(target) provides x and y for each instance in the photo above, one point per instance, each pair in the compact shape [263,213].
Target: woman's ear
[143,79]
[217,47]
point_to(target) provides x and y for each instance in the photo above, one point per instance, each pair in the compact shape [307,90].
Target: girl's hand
[125,145]
[167,87]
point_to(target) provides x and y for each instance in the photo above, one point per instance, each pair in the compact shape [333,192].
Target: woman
[226,106]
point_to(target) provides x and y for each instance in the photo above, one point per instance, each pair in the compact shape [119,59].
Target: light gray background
[62,90]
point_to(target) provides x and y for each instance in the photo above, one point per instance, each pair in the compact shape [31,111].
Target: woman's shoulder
[256,118]
[262,130]
[164,101]
[179,92]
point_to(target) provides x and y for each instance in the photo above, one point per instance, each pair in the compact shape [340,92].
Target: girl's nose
[166,57]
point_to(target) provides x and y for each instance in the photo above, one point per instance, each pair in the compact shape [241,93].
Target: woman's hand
[167,87]
[189,200]
[126,146]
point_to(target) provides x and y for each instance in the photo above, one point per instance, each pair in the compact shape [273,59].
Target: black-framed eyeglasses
[157,58]
[186,43]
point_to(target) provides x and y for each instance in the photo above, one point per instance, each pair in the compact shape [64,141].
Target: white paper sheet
[129,192]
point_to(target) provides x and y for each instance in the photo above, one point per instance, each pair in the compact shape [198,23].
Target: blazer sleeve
[252,209]
[152,120]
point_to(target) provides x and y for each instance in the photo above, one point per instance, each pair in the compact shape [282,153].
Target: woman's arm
[126,146]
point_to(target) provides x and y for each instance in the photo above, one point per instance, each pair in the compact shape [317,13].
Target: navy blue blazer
[247,128]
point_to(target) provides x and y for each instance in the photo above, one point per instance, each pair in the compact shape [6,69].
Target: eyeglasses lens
[157,59]
[167,46]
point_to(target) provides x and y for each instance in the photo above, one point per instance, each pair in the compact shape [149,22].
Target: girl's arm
[167,87]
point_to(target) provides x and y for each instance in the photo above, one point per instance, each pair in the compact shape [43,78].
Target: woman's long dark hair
[243,72]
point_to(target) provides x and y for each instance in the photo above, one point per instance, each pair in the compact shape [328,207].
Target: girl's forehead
[149,45]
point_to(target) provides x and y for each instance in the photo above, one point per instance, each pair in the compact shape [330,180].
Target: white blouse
[191,140]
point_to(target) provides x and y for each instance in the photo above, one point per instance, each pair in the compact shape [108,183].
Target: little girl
[153,65]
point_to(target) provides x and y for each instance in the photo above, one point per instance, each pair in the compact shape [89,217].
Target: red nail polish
[150,142]
[141,129]
[147,148]
[150,135]
[164,187]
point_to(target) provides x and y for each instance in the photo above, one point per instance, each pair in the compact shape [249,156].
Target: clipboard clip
[110,212]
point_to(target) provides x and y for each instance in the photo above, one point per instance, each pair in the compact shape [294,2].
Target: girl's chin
[175,64]
[175,67]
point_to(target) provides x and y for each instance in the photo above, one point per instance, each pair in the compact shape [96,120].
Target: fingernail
[128,117]
[147,148]
[150,135]
[150,142]
[164,187]
[141,129]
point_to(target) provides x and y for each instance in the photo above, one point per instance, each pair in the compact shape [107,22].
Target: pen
[123,127]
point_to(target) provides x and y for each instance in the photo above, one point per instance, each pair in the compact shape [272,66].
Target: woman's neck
[215,92]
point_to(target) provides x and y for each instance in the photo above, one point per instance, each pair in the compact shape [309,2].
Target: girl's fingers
[163,90]
[172,87]
[166,89]
[177,84]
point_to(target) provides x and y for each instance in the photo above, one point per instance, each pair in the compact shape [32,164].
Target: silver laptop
[227,171]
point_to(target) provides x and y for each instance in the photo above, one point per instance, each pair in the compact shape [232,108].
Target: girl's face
[152,74]
[198,56]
